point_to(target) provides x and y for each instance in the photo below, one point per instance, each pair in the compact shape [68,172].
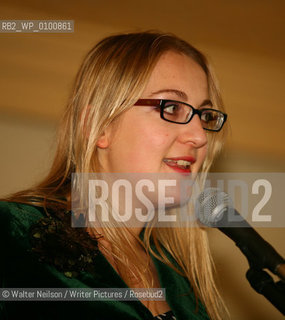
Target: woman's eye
[171,108]
[208,116]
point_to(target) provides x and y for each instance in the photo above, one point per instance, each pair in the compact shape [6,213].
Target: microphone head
[211,205]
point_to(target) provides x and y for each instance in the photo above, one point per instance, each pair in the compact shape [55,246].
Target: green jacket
[20,267]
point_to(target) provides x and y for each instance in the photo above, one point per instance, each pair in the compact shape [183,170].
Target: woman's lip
[178,169]
[185,158]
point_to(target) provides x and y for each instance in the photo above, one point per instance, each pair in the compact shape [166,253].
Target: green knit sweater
[22,267]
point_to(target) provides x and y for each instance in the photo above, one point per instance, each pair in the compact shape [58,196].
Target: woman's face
[140,141]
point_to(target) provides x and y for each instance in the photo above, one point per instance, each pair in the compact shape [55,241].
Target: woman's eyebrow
[178,93]
[206,102]
[182,95]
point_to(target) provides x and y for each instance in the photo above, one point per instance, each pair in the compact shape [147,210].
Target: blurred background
[243,39]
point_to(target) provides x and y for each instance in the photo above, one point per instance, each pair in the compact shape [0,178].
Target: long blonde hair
[111,79]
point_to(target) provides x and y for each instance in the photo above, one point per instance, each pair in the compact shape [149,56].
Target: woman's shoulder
[17,217]
[16,221]
[47,234]
[12,207]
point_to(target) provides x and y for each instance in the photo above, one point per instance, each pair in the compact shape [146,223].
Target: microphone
[214,209]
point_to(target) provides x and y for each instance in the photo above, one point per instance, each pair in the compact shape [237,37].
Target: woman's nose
[193,133]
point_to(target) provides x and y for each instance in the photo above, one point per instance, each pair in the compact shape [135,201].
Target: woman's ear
[103,141]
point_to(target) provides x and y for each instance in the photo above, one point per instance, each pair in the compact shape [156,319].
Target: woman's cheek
[159,139]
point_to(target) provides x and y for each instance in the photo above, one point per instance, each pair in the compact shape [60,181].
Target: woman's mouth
[182,165]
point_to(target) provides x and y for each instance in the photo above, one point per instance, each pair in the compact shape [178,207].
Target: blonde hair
[111,79]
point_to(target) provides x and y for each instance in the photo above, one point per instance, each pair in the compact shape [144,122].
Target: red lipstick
[180,164]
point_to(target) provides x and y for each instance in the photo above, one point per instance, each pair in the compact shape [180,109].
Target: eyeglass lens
[181,113]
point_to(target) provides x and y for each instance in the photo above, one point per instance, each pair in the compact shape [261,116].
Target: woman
[141,103]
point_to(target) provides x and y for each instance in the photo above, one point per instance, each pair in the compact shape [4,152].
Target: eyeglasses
[182,113]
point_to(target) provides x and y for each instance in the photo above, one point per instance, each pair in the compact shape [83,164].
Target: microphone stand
[263,283]
[260,280]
